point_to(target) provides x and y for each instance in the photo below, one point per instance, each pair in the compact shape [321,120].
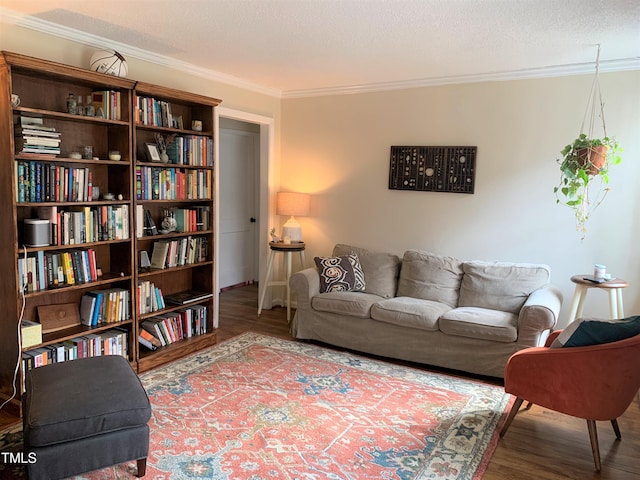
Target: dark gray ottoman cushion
[84,414]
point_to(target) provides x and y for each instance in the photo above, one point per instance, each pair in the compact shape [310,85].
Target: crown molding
[27,21]
[525,74]
[128,51]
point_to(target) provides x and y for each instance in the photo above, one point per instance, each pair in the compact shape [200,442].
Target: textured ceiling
[290,46]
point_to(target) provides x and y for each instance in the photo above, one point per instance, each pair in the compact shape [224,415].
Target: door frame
[254,185]
[266,182]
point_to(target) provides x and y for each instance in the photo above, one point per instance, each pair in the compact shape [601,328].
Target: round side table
[287,249]
[613,286]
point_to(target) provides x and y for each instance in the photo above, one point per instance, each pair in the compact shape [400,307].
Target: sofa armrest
[305,284]
[538,315]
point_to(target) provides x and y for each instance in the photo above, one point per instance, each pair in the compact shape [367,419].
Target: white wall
[337,148]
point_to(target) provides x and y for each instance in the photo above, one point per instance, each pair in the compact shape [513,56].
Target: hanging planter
[585,163]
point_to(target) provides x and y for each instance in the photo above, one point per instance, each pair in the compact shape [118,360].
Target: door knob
[252,220]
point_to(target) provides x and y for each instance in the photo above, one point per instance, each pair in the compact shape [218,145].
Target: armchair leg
[512,414]
[593,436]
[616,429]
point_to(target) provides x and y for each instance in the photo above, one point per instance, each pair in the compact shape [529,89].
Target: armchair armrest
[538,315]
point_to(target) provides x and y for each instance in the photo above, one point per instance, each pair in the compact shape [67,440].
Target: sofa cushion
[380,269]
[353,304]
[592,331]
[430,277]
[500,286]
[340,274]
[480,323]
[409,312]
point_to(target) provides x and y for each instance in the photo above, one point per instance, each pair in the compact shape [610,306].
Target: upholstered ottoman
[83,415]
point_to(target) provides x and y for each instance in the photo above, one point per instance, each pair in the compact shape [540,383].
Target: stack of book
[104,306]
[150,298]
[175,326]
[112,342]
[33,137]
[179,252]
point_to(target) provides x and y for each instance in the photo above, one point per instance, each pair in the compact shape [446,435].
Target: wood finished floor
[540,444]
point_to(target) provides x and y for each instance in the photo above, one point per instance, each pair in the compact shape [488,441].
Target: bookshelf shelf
[50,114]
[53,248]
[169,270]
[76,331]
[39,137]
[151,359]
[59,159]
[107,279]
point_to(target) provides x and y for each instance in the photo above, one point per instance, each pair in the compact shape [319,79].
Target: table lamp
[292,203]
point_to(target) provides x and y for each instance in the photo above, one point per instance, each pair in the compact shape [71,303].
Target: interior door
[239,157]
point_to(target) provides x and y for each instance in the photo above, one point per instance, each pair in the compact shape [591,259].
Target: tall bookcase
[180,190]
[96,237]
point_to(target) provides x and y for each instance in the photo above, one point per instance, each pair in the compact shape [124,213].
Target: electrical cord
[19,335]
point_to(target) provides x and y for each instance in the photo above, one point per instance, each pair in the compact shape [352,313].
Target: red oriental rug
[258,408]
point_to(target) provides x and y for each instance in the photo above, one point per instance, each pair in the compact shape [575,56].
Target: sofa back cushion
[380,269]
[430,277]
[500,285]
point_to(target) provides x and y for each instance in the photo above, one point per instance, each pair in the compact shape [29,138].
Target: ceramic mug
[15,100]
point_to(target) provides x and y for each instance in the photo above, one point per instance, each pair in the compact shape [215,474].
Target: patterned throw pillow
[340,274]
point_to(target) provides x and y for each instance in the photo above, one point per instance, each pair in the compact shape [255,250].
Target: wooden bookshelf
[43,88]
[163,111]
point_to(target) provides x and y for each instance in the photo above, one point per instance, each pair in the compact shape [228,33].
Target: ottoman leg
[142,467]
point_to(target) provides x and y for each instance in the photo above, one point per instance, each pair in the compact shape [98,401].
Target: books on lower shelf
[179,325]
[147,340]
[150,298]
[111,342]
[109,305]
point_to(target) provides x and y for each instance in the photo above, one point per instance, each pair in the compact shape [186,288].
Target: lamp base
[293,234]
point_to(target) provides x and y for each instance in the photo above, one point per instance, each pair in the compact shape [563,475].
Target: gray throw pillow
[380,269]
[340,274]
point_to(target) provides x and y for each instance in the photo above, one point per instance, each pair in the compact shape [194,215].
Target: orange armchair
[596,382]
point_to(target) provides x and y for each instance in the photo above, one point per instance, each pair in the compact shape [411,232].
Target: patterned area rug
[259,408]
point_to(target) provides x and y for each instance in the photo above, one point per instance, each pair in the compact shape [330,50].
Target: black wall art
[433,169]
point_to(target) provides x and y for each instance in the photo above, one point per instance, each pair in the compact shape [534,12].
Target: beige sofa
[431,309]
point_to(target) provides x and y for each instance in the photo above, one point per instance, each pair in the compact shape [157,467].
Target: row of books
[86,224]
[110,101]
[194,219]
[48,182]
[108,305]
[32,136]
[162,183]
[191,150]
[42,270]
[150,111]
[175,326]
[111,342]
[150,298]
[179,252]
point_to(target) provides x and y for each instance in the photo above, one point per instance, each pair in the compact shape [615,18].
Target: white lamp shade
[293,203]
